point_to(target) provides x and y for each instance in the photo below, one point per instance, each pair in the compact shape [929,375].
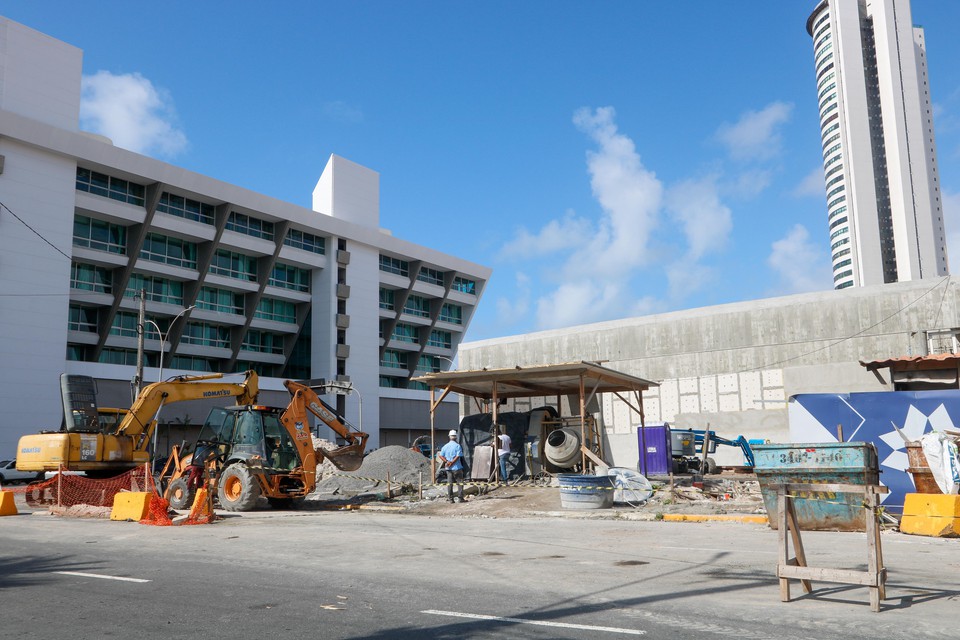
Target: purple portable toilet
[656,451]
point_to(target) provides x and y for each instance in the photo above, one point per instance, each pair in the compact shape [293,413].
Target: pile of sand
[403,465]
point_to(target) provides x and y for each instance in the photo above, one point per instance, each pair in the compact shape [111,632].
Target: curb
[742,519]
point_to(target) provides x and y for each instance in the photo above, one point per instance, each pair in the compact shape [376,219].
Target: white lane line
[539,623]
[102,577]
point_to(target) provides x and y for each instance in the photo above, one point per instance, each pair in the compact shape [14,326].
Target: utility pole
[137,383]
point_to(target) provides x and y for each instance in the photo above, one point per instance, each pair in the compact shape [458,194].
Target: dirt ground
[719,495]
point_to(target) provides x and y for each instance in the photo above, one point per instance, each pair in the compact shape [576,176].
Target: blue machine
[740,442]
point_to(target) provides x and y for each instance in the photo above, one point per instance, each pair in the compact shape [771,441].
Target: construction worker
[450,456]
[503,451]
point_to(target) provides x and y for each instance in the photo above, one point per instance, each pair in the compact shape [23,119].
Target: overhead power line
[38,234]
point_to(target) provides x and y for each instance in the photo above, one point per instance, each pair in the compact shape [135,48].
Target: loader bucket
[346,458]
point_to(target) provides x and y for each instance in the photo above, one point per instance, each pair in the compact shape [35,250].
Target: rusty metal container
[920,470]
[818,463]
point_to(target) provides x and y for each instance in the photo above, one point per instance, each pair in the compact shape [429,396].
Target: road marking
[102,577]
[539,623]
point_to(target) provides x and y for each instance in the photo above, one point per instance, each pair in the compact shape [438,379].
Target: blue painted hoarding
[870,417]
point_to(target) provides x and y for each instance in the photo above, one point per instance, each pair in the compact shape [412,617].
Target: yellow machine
[104,450]
[253,451]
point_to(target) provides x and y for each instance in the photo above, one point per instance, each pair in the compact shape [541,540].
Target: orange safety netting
[157,512]
[64,490]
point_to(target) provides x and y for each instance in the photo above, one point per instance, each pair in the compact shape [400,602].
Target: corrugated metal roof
[914,362]
[542,380]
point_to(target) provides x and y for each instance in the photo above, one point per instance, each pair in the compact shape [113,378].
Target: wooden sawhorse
[796,568]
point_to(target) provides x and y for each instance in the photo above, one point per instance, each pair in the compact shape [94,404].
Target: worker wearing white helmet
[451,457]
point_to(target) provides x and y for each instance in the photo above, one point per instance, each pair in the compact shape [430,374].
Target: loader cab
[242,433]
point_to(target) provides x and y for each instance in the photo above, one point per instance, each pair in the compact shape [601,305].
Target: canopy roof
[906,363]
[543,380]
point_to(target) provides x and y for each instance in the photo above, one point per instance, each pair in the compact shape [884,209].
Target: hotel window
[262,342]
[276,310]
[234,265]
[289,277]
[386,299]
[172,251]
[463,285]
[157,289]
[442,339]
[83,319]
[220,300]
[248,225]
[87,277]
[125,324]
[393,359]
[417,306]
[451,313]
[431,276]
[99,235]
[109,187]
[306,241]
[405,333]
[394,265]
[206,335]
[186,208]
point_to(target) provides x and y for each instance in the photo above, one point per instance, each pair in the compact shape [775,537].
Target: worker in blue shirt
[450,456]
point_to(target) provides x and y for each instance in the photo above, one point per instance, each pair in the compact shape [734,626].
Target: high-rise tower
[879,155]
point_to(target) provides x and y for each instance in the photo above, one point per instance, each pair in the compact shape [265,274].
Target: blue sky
[606,159]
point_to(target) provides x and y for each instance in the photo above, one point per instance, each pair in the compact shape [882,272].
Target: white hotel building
[879,157]
[287,291]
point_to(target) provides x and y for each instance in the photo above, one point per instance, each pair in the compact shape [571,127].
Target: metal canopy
[526,382]
[581,379]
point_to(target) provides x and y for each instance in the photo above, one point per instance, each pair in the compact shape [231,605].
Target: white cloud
[556,235]
[811,185]
[340,111]
[756,136]
[595,278]
[129,110]
[706,222]
[519,305]
[629,194]
[749,184]
[799,264]
[951,222]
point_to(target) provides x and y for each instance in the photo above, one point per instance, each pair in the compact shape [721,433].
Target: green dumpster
[818,463]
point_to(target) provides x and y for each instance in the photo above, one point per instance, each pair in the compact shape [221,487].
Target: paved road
[376,575]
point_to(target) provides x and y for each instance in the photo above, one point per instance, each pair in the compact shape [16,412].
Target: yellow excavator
[253,451]
[90,444]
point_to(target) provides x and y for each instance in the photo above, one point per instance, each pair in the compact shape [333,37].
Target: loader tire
[181,495]
[238,490]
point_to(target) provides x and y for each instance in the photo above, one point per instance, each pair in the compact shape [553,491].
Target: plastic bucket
[585,492]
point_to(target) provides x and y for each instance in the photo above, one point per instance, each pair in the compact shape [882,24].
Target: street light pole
[163,344]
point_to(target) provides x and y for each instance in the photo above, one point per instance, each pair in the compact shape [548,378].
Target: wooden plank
[797,543]
[844,576]
[590,454]
[785,558]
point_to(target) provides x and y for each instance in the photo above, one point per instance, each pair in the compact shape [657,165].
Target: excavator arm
[305,400]
[140,422]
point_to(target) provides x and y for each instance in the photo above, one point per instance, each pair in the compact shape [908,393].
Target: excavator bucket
[346,458]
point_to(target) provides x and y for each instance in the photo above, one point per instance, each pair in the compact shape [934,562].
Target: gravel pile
[403,465]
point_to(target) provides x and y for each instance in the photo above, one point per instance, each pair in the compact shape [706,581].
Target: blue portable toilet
[656,450]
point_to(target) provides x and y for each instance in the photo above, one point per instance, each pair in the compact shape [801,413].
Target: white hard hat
[453,433]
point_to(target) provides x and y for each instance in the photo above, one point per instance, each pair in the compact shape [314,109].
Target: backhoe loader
[253,451]
[89,444]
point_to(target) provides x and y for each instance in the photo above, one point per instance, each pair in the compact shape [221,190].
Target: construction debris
[403,466]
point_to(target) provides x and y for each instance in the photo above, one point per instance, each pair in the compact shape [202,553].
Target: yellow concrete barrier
[130,506]
[7,507]
[930,514]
